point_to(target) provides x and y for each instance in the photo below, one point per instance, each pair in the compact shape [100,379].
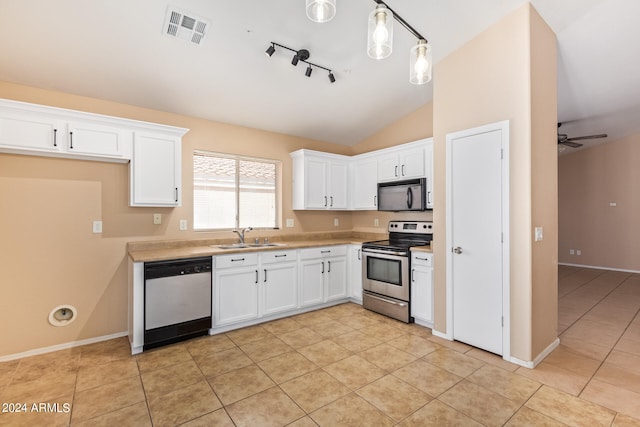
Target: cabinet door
[355,272]
[315,183]
[90,138]
[235,295]
[412,163]
[279,286]
[338,185]
[364,188]
[388,168]
[155,170]
[30,131]
[336,277]
[422,293]
[311,282]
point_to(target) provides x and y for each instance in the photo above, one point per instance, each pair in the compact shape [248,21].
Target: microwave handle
[409,197]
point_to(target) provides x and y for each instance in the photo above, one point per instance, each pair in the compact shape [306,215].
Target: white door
[315,181]
[338,193]
[476,223]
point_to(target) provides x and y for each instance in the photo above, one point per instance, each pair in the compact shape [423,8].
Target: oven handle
[383,252]
[401,304]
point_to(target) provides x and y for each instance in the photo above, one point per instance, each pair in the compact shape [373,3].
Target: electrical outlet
[97,227]
[290,222]
[336,222]
[157,218]
[572,252]
[183,225]
[578,252]
[376,222]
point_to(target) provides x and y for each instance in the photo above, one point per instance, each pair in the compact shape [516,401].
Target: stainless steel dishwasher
[177,300]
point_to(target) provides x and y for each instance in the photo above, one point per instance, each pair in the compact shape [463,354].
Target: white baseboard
[64,346]
[599,267]
[442,335]
[532,364]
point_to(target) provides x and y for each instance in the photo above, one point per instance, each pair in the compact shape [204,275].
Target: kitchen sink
[248,245]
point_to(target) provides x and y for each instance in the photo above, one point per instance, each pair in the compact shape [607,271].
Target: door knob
[457,250]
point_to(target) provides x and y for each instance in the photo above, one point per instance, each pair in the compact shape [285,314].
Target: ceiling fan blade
[571,144]
[581,138]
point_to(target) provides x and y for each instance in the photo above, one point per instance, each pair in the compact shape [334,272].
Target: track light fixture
[380,41]
[301,55]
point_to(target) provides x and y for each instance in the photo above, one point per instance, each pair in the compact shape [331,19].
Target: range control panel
[418,227]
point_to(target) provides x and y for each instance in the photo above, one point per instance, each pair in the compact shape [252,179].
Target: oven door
[385,274]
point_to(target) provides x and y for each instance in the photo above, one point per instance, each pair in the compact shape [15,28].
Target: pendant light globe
[420,63]
[321,10]
[380,33]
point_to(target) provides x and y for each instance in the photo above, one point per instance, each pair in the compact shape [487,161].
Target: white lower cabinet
[323,274]
[251,285]
[422,288]
[355,272]
[235,288]
[279,281]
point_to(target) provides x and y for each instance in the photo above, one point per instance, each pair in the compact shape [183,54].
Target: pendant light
[380,34]
[420,63]
[321,10]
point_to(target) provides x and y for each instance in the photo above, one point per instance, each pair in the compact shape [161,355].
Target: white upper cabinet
[401,163]
[364,183]
[153,149]
[319,180]
[100,140]
[155,170]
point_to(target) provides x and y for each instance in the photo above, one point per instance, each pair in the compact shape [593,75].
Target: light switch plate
[97,227]
[183,225]
[336,222]
[289,222]
[157,218]
[538,234]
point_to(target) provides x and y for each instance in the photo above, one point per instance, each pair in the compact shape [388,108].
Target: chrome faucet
[240,233]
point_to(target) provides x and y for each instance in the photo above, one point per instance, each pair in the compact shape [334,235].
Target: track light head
[295,59]
[332,78]
[270,50]
[308,72]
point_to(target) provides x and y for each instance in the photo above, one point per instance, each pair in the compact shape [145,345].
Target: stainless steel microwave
[406,195]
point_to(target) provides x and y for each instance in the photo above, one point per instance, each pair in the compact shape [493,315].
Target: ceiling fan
[569,142]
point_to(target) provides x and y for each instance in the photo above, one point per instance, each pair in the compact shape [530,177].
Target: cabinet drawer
[278,256]
[423,259]
[236,260]
[324,251]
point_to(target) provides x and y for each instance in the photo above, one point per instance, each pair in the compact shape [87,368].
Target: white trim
[64,346]
[539,357]
[442,335]
[598,267]
[502,126]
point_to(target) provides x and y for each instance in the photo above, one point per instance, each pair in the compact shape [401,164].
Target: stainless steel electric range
[386,268]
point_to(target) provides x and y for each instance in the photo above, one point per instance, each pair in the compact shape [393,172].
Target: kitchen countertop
[426,248]
[162,250]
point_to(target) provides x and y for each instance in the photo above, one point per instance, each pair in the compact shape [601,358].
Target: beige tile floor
[345,366]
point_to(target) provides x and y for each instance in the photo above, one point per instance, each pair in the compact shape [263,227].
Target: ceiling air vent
[185,26]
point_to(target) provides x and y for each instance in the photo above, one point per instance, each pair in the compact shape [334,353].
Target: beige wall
[49,256]
[487,80]
[588,180]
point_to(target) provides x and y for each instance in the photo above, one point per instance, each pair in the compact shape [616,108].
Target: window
[234,192]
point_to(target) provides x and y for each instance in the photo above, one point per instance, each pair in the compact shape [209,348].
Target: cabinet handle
[402,170]
[326,252]
[413,274]
[322,267]
[396,171]
[176,194]
[237,259]
[329,263]
[265,275]
[375,200]
[422,259]
[280,256]
[325,201]
[55,137]
[331,201]
[256,276]
[71,140]
[359,254]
